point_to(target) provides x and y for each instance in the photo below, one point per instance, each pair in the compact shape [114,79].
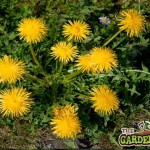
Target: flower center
[76,30]
[104,20]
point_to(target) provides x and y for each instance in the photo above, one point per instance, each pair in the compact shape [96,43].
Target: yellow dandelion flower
[104,100]
[76,30]
[84,63]
[32,30]
[132,22]
[11,70]
[15,102]
[66,123]
[64,52]
[102,59]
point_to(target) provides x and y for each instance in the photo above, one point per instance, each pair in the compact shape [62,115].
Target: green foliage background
[131,80]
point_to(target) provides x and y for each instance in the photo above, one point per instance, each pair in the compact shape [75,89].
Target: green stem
[136,70]
[54,92]
[60,67]
[34,56]
[37,62]
[34,78]
[84,96]
[43,72]
[115,35]
[74,74]
[56,66]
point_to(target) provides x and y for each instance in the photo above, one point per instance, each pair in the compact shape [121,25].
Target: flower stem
[34,78]
[136,70]
[115,35]
[60,67]
[34,56]
[38,64]
[54,89]
[139,6]
[56,66]
[83,96]
[74,74]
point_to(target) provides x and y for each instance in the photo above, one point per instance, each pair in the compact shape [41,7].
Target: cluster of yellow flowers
[17,102]
[66,123]
[98,60]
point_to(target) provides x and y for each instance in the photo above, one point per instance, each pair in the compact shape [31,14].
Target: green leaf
[117,77]
[97,38]
[144,68]
[12,36]
[71,144]
[113,140]
[133,91]
[106,119]
[45,119]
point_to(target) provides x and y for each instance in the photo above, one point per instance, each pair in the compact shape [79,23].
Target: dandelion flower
[104,20]
[64,52]
[99,60]
[83,63]
[132,22]
[66,123]
[76,30]
[32,30]
[104,100]
[10,69]
[102,59]
[15,102]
